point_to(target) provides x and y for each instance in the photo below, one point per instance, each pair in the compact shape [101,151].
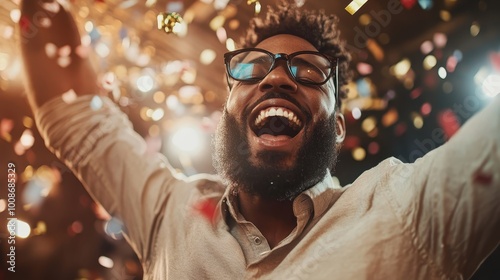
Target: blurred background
[422,68]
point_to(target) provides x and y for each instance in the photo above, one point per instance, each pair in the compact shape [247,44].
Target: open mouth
[276,121]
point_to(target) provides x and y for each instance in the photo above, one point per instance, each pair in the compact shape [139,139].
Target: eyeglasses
[306,67]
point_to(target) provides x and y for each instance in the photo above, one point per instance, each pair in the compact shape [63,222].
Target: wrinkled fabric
[437,218]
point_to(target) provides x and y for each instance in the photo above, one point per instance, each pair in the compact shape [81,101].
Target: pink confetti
[24,23]
[483,179]
[206,208]
[449,122]
[408,4]
[495,60]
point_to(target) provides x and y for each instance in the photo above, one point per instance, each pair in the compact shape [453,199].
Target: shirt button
[257,240]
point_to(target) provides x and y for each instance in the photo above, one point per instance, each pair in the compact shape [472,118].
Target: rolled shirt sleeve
[450,199]
[100,146]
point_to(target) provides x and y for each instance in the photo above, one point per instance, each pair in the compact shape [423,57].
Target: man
[277,213]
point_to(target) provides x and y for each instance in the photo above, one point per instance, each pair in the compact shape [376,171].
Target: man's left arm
[450,199]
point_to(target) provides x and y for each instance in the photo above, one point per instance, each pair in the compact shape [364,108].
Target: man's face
[277,137]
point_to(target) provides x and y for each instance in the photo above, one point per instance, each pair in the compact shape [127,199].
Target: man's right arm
[90,134]
[47,33]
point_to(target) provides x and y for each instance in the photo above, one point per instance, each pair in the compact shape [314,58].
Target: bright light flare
[106,262]
[20,228]
[187,139]
[491,85]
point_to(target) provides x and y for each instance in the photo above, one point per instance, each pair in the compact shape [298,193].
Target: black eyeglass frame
[334,67]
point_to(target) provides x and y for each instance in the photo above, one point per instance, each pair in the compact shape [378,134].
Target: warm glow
[187,139]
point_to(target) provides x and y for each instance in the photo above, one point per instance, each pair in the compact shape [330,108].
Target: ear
[340,128]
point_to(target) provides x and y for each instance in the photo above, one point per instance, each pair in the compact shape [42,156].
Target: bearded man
[277,212]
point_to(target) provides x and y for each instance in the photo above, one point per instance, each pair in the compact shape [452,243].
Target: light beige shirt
[435,219]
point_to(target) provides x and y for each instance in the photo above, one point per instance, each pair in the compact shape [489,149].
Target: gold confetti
[168,21]
[354,6]
[258,6]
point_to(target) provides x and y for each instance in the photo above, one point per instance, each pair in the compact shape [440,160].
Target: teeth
[272,112]
[282,112]
[279,112]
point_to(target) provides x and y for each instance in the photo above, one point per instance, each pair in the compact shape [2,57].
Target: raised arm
[449,199]
[90,133]
[47,33]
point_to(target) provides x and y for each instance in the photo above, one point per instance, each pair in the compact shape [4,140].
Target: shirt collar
[322,195]
[316,199]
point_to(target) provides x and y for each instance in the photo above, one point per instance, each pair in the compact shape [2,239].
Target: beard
[269,180]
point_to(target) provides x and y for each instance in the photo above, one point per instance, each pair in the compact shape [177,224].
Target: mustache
[272,95]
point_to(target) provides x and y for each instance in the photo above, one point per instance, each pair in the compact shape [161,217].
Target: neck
[274,219]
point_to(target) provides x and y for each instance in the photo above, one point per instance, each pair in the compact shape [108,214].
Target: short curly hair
[316,27]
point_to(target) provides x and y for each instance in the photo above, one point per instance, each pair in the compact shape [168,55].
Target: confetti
[408,4]
[52,7]
[300,3]
[258,6]
[495,60]
[168,22]
[64,61]
[50,50]
[96,103]
[426,4]
[354,6]
[206,208]
[448,120]
[82,51]
[114,228]
[6,126]
[65,50]
[24,23]
[45,22]
[69,96]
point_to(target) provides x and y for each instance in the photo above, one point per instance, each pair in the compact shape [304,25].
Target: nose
[278,79]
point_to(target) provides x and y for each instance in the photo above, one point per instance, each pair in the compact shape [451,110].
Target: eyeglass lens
[255,65]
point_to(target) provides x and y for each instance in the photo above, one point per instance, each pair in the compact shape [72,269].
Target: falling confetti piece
[96,103]
[354,6]
[128,4]
[64,61]
[408,4]
[258,6]
[495,60]
[114,228]
[65,50]
[27,139]
[426,4]
[40,229]
[448,120]
[300,3]
[69,96]
[206,208]
[45,22]
[52,7]
[483,179]
[50,50]
[6,126]
[24,23]
[168,22]
[82,51]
